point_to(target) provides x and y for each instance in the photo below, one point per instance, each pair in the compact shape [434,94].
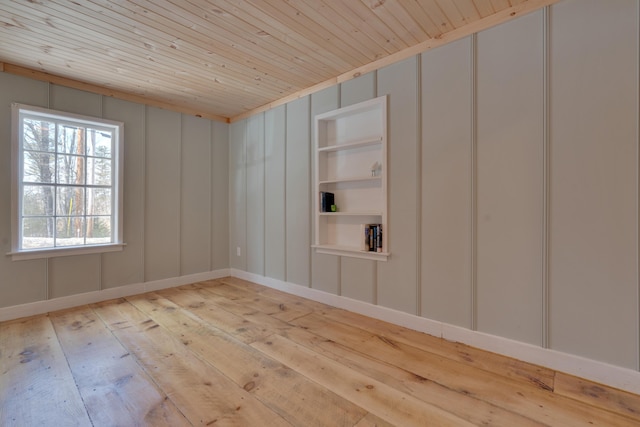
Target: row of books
[371,237]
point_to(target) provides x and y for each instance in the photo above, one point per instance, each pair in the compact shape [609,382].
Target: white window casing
[67,180]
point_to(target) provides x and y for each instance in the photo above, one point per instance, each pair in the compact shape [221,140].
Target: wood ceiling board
[229,58]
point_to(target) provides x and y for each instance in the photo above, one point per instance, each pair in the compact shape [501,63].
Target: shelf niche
[351,162]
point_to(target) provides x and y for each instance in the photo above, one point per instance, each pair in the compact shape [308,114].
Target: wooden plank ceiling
[226,59]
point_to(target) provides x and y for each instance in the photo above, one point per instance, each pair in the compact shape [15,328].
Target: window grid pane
[76,208]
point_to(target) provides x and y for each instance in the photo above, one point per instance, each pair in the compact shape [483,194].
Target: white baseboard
[593,370]
[46,306]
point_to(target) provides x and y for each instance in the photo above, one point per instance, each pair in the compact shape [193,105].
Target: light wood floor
[229,352]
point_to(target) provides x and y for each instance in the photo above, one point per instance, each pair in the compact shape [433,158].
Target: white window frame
[17,252]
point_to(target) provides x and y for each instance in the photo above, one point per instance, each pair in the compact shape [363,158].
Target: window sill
[58,252]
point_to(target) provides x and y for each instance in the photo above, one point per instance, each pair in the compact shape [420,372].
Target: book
[371,237]
[364,232]
[326,200]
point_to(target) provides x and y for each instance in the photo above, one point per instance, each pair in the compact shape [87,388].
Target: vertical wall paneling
[446,176]
[71,275]
[325,269]
[20,281]
[473,247]
[510,165]
[298,188]
[195,191]
[593,277]
[220,195]
[176,184]
[75,101]
[274,197]
[237,196]
[637,367]
[162,210]
[255,169]
[358,276]
[397,278]
[127,267]
[545,181]
[74,274]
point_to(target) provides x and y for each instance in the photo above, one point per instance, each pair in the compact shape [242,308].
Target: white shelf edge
[350,213]
[354,179]
[351,252]
[352,144]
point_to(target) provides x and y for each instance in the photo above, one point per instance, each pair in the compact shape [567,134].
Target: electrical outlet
[238,251]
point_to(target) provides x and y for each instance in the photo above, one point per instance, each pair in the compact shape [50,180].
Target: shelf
[351,252]
[351,145]
[349,142]
[350,213]
[355,179]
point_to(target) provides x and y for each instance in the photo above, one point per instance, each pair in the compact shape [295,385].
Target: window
[67,186]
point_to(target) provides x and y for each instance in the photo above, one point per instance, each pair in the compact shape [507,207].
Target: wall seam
[311,191]
[546,212]
[211,191]
[638,186]
[264,193]
[418,160]
[181,177]
[474,166]
[244,259]
[284,199]
[145,195]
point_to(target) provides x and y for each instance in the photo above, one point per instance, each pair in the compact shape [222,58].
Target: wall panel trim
[546,209]
[638,180]
[474,182]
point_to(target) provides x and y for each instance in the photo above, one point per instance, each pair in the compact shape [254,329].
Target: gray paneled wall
[25,281]
[509,178]
[274,188]
[513,165]
[255,165]
[445,257]
[176,189]
[324,268]
[593,265]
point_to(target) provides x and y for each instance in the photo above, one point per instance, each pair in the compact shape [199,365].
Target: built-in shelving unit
[351,163]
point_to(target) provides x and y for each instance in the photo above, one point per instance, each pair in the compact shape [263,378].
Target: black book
[326,200]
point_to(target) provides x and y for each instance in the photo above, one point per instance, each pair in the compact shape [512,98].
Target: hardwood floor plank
[598,395]
[277,295]
[371,420]
[231,352]
[498,364]
[277,308]
[296,399]
[474,410]
[532,402]
[36,385]
[226,314]
[201,392]
[378,398]
[115,390]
